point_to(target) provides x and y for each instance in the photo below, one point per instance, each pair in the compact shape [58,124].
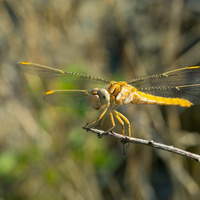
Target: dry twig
[125,139]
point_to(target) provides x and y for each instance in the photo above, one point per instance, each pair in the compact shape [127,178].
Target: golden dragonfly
[179,87]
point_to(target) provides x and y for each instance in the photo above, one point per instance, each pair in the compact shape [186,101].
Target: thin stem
[151,143]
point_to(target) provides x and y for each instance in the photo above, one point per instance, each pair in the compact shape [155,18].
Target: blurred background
[44,152]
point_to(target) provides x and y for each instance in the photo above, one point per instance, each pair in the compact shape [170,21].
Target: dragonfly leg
[113,125]
[99,119]
[120,118]
[112,121]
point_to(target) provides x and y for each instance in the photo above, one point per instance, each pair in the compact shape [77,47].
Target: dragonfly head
[99,98]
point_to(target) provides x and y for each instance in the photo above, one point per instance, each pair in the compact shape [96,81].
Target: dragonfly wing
[69,98]
[56,74]
[189,92]
[179,77]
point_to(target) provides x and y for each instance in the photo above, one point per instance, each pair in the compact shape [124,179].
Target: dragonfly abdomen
[123,93]
[151,99]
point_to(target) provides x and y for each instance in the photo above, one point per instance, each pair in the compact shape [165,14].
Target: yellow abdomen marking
[151,99]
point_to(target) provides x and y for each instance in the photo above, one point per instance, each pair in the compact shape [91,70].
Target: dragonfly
[180,87]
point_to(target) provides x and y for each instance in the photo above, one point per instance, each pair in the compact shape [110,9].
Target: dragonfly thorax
[120,93]
[99,98]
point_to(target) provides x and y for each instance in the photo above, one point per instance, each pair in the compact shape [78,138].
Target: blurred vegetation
[44,153]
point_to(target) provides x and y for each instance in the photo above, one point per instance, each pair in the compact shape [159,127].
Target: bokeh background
[44,152]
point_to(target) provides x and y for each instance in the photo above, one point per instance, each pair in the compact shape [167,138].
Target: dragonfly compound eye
[99,98]
[95,99]
[104,96]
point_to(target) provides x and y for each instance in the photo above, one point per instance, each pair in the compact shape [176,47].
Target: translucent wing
[182,83]
[68,98]
[56,74]
[179,77]
[189,92]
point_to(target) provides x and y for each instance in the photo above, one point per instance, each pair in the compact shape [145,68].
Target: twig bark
[151,143]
